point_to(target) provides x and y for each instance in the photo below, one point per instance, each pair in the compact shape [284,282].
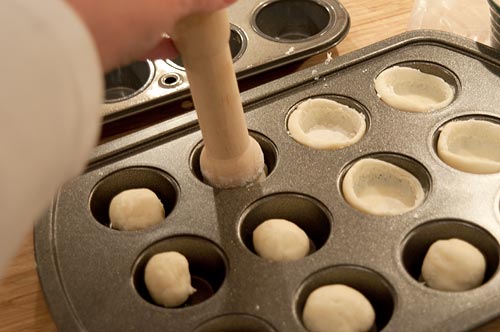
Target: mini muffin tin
[92,275]
[264,35]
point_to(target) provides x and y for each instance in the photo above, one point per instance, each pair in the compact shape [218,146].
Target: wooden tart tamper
[230,156]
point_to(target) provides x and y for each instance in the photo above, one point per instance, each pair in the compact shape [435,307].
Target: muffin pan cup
[88,271]
[264,35]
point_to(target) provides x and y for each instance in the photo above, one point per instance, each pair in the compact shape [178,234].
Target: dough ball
[167,279]
[409,89]
[338,308]
[280,240]
[135,209]
[453,265]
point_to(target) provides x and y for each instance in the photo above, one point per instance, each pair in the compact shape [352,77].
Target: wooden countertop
[22,306]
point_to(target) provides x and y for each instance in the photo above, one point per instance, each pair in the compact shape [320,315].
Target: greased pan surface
[92,275]
[264,35]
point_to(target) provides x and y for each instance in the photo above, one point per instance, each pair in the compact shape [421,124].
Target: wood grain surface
[22,305]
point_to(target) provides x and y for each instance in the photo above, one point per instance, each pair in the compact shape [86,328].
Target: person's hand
[128,30]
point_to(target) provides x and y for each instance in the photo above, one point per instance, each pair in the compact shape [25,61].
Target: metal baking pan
[264,35]
[92,275]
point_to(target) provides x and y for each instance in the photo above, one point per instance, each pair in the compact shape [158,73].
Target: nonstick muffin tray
[92,275]
[264,35]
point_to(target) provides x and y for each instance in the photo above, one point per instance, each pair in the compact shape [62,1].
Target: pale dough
[453,265]
[167,279]
[135,209]
[280,240]
[326,124]
[338,308]
[381,188]
[408,89]
[471,146]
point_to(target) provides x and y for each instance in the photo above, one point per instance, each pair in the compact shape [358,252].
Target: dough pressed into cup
[338,308]
[326,124]
[381,188]
[411,90]
[167,279]
[453,265]
[471,146]
[280,240]
[135,209]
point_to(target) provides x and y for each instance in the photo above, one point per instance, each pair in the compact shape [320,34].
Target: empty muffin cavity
[367,282]
[386,185]
[416,245]
[126,82]
[309,215]
[414,89]
[235,323]
[470,145]
[154,180]
[207,267]
[292,20]
[322,123]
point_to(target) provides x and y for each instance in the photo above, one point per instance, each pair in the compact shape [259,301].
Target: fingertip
[165,49]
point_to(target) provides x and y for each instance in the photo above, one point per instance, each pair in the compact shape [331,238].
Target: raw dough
[471,146]
[381,188]
[280,240]
[453,265]
[135,209]
[325,124]
[338,308]
[408,89]
[167,279]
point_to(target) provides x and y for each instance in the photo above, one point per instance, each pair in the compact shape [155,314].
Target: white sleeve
[50,95]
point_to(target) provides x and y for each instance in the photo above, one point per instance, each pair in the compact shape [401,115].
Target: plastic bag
[469,18]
